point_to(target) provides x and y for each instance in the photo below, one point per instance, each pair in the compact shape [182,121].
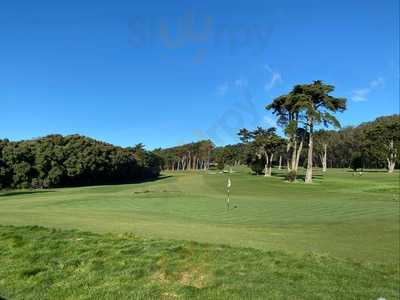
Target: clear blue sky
[169,72]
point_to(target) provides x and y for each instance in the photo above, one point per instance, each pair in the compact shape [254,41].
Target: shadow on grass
[161,177]
[368,171]
[123,182]
[298,177]
[87,184]
[18,193]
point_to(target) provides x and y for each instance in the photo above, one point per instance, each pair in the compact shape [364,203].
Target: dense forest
[74,160]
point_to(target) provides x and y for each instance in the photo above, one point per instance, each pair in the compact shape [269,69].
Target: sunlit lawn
[339,214]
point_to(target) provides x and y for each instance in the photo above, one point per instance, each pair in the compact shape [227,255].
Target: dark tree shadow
[123,182]
[30,192]
[368,171]
[298,177]
[161,177]
[18,193]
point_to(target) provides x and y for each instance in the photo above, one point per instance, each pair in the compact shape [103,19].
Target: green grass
[337,238]
[40,263]
[340,214]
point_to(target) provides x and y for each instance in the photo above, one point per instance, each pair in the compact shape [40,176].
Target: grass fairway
[39,263]
[340,214]
[335,239]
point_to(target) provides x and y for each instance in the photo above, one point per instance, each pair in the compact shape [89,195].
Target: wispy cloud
[360,95]
[223,89]
[377,82]
[241,83]
[276,77]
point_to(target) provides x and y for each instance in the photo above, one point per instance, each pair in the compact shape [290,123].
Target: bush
[356,161]
[257,165]
[291,176]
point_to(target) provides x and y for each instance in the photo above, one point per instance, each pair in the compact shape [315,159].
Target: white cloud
[376,83]
[276,77]
[360,95]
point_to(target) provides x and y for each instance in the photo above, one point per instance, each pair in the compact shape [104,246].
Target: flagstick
[227,199]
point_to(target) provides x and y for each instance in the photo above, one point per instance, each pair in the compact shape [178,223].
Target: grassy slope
[340,214]
[39,263]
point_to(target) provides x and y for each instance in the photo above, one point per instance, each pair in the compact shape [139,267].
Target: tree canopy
[74,160]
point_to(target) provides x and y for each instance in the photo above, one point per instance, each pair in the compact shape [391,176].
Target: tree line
[192,156]
[303,113]
[370,145]
[374,144]
[74,160]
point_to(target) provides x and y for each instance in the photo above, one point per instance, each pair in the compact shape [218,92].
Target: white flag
[229,183]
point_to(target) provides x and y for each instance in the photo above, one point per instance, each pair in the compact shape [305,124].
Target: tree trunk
[194,162]
[270,165]
[294,155]
[324,158]
[266,164]
[308,178]
[296,166]
[391,165]
[184,163]
[280,162]
[392,157]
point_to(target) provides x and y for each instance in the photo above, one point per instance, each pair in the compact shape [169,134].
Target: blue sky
[170,72]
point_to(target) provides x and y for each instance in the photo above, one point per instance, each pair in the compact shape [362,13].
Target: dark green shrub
[356,161]
[257,165]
